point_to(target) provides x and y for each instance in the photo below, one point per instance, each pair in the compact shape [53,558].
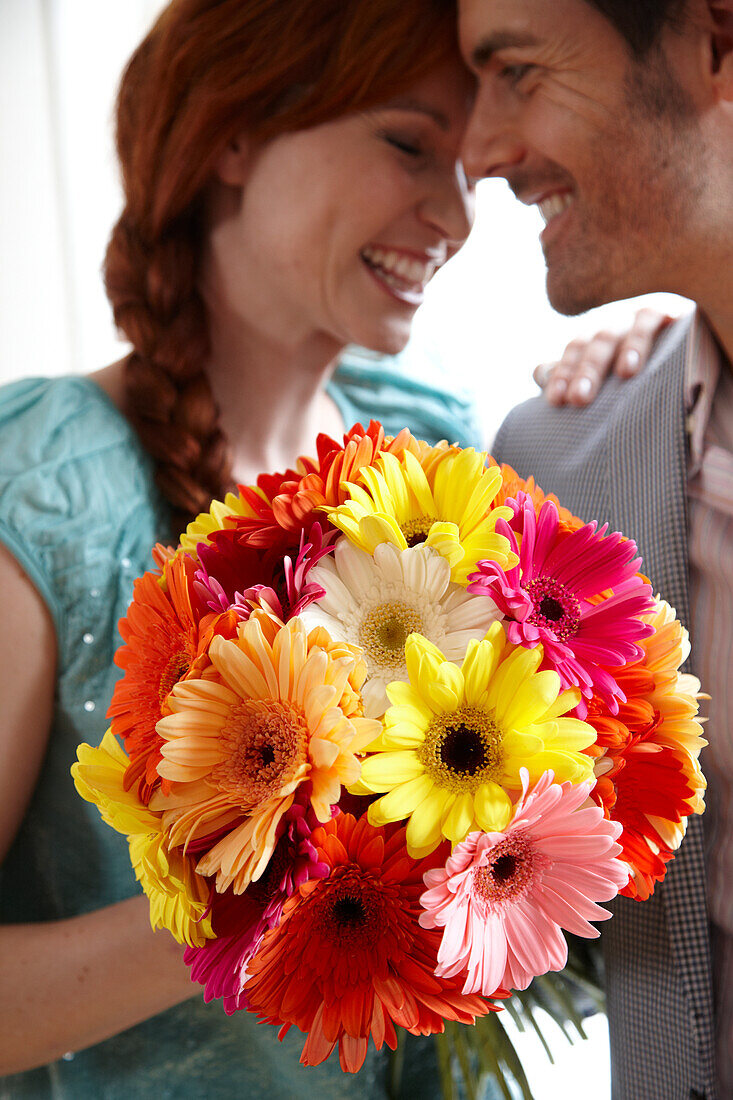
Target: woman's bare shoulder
[111,380]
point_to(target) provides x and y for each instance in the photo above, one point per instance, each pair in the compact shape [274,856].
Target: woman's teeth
[399,271]
[553,205]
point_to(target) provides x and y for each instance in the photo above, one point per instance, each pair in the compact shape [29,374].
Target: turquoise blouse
[80,512]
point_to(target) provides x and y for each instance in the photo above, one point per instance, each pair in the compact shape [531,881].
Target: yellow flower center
[417,530]
[265,743]
[384,631]
[462,750]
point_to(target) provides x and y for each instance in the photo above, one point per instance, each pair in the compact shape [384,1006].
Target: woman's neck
[271,395]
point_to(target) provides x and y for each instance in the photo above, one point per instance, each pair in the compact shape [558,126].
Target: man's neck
[722,326]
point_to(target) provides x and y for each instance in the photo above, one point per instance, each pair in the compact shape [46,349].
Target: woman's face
[335,231]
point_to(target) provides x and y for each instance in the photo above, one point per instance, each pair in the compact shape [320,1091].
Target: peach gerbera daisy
[270,715]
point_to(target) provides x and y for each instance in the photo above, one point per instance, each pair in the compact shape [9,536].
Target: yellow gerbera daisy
[275,711]
[178,896]
[455,739]
[218,518]
[448,508]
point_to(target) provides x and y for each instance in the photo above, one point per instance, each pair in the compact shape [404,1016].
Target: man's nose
[492,145]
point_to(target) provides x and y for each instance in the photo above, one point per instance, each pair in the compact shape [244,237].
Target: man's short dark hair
[640,21]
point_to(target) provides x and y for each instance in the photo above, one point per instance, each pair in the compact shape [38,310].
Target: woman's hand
[577,377]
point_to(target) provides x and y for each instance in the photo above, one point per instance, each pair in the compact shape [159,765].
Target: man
[615,117]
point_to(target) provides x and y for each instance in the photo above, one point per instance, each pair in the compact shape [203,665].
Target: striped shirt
[709,395]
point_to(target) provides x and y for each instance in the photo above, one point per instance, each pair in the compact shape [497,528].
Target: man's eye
[514,73]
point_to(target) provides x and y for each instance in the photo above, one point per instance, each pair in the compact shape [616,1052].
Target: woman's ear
[233,165]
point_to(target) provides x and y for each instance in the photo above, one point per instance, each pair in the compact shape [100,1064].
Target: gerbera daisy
[456,738]
[221,516]
[282,505]
[503,898]
[239,743]
[233,576]
[376,601]
[162,636]
[395,501]
[647,755]
[239,921]
[558,595]
[178,896]
[349,959]
[512,485]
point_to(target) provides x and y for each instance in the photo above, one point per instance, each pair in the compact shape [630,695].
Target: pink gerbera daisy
[577,593]
[503,898]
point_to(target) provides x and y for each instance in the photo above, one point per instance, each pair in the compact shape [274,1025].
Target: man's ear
[721,14]
[232,167]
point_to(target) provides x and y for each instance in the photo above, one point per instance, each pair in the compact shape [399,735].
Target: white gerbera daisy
[376,601]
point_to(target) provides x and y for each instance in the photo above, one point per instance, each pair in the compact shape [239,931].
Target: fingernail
[630,360]
[582,388]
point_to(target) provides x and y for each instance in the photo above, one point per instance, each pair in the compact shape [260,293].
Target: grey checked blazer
[623,461]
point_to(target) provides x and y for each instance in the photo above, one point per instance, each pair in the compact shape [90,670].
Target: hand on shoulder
[576,378]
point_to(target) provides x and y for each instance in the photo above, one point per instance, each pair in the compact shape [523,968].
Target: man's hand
[577,377]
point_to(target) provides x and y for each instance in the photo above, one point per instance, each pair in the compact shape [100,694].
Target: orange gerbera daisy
[512,484]
[267,716]
[648,774]
[349,959]
[164,642]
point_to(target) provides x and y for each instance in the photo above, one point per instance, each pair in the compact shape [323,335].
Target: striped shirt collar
[702,372]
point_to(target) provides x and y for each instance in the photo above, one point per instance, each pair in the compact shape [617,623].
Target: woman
[292,182]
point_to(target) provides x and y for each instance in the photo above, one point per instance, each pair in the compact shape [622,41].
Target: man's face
[607,145]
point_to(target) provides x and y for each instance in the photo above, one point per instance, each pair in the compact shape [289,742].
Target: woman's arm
[66,984]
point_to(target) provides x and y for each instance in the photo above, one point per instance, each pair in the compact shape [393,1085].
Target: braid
[168,397]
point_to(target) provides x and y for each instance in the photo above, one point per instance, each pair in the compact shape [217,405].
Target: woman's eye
[514,73]
[410,148]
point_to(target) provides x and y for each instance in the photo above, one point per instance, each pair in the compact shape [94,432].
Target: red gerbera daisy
[349,958]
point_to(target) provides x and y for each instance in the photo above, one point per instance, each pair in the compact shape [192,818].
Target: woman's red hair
[207,70]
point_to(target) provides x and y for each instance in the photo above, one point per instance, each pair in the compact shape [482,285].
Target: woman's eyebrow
[499,40]
[407,103]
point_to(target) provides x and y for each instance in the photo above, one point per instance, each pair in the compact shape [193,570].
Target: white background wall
[486,319]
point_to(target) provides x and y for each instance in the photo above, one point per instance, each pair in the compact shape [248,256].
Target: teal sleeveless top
[80,512]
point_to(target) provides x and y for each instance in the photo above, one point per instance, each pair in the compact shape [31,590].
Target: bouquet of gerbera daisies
[391,723]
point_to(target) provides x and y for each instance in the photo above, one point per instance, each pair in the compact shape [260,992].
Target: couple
[294,174]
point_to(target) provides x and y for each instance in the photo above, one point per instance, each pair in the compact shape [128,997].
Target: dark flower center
[555,608]
[417,530]
[503,868]
[349,911]
[551,609]
[463,750]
